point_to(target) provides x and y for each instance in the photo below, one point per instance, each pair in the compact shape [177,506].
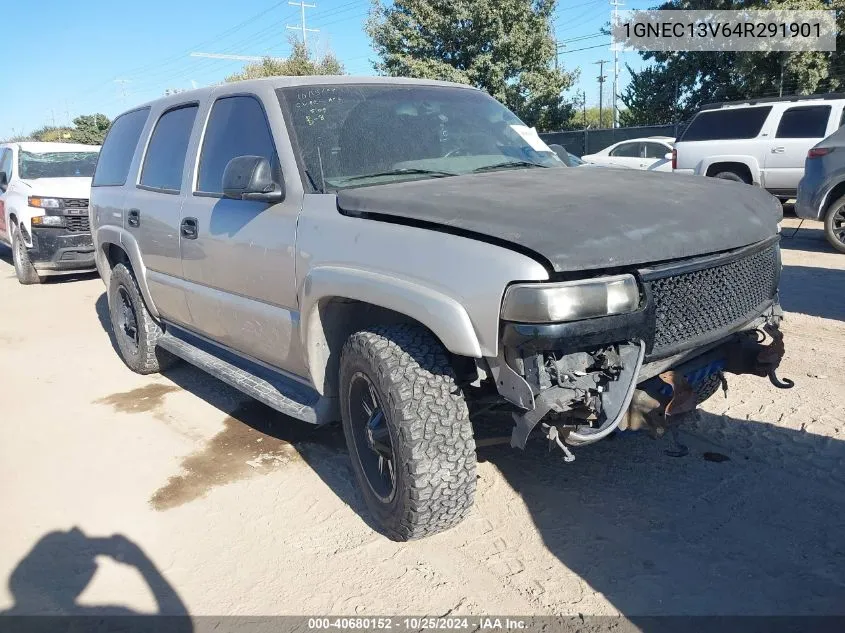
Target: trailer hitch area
[759,357]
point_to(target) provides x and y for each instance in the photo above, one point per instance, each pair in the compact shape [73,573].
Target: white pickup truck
[44,189]
[761,141]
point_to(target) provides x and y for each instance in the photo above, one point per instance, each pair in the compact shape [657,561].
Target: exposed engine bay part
[592,389]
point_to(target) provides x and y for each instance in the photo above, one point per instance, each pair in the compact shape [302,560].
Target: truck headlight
[48,220]
[571,300]
[44,203]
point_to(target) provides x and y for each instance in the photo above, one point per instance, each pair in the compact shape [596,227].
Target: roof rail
[719,104]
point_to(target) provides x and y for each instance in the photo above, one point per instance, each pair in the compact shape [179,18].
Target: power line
[301,4]
[586,48]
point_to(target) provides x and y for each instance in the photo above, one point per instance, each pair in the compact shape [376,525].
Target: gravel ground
[174,493]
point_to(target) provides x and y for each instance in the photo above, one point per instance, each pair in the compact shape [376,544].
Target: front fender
[443,315]
[110,234]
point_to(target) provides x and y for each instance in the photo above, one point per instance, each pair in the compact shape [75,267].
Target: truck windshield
[34,165]
[361,135]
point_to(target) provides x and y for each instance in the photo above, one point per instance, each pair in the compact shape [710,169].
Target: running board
[272,388]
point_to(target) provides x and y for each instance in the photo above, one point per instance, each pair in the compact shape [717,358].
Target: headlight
[45,203]
[48,220]
[571,300]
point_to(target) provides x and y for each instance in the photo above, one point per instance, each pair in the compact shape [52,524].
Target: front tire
[834,225]
[135,330]
[24,270]
[408,430]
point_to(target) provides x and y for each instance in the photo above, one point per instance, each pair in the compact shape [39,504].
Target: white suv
[44,189]
[761,141]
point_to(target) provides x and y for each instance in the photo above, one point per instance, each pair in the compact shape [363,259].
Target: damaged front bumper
[580,397]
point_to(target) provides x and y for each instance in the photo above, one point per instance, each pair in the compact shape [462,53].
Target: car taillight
[817,152]
[674,159]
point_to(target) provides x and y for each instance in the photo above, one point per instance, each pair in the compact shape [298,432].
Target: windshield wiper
[403,172]
[507,165]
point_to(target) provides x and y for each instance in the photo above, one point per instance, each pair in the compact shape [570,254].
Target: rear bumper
[810,198]
[59,250]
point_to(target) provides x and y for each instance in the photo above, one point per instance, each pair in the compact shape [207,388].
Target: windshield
[34,165]
[360,135]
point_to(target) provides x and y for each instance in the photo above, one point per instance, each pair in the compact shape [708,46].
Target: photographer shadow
[50,578]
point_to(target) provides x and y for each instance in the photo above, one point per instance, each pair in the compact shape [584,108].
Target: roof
[305,80]
[791,98]
[38,147]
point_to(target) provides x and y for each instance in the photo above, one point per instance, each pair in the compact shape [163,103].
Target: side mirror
[4,181]
[251,178]
[668,156]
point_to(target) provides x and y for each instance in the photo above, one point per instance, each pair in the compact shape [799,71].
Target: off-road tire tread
[28,276]
[428,410]
[828,225]
[151,359]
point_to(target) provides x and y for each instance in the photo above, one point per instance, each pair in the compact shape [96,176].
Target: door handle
[133,218]
[189,229]
[778,150]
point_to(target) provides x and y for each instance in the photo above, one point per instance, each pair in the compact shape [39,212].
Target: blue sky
[105,56]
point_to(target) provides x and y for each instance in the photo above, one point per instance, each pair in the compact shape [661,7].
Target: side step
[277,391]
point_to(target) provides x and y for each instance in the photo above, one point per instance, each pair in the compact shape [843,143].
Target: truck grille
[702,303]
[75,203]
[77,223]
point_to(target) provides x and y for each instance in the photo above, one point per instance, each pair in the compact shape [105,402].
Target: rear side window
[627,150]
[656,150]
[119,148]
[728,124]
[236,127]
[165,157]
[804,122]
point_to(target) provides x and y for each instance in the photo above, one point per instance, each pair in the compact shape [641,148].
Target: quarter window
[165,158]
[119,148]
[627,150]
[236,127]
[804,122]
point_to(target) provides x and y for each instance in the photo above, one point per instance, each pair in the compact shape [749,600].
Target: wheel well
[111,256]
[740,169]
[334,320]
[837,192]
[13,219]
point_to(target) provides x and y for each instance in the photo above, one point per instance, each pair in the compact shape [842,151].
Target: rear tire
[408,430]
[731,175]
[135,330]
[834,225]
[24,270]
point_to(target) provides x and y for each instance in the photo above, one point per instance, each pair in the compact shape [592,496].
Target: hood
[76,187]
[581,219]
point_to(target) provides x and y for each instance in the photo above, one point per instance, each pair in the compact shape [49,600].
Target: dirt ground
[174,493]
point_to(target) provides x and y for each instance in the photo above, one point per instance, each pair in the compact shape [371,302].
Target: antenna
[301,4]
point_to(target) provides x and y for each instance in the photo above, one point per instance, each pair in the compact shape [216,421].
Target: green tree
[502,46]
[52,134]
[90,129]
[300,63]
[677,84]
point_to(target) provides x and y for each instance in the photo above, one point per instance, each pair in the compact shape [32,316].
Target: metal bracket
[510,385]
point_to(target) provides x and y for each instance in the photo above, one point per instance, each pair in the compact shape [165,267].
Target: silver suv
[401,255]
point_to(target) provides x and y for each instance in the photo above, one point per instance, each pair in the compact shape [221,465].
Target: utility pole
[301,4]
[122,83]
[584,106]
[602,77]
[615,4]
